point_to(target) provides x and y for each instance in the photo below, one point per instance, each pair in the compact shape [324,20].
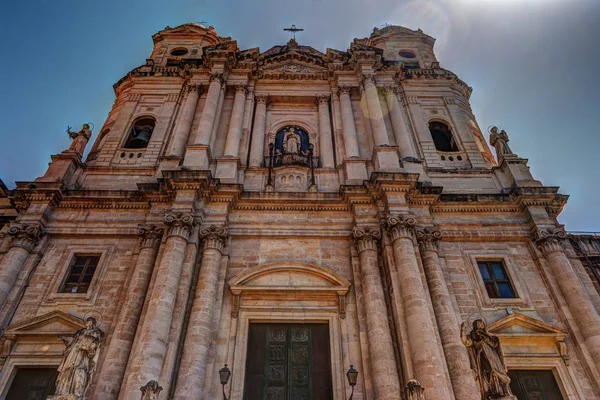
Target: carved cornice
[151,390]
[179,224]
[26,236]
[322,99]
[401,226]
[366,238]
[151,235]
[428,238]
[214,237]
[262,99]
[549,240]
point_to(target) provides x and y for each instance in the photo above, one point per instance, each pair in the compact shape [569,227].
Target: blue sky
[533,65]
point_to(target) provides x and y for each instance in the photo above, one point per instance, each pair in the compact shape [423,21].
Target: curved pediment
[289,276]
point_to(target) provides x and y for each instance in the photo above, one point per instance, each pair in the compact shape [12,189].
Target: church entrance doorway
[288,362]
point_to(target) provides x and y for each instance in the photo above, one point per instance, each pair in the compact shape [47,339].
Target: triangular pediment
[293,67]
[519,324]
[52,323]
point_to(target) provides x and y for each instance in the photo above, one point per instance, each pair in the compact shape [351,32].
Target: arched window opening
[140,133]
[442,137]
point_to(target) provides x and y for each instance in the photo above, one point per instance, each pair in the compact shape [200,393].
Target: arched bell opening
[140,133]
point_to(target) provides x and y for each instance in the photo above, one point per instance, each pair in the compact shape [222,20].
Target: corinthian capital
[549,240]
[428,238]
[179,224]
[151,235]
[414,390]
[241,88]
[368,78]
[366,238]
[401,226]
[214,237]
[322,99]
[194,88]
[262,99]
[151,390]
[25,235]
[217,76]
[344,90]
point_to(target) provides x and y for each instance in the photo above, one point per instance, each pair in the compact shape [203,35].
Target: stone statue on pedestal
[500,143]
[79,361]
[292,144]
[80,139]
[487,361]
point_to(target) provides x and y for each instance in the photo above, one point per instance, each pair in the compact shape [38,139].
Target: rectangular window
[32,383]
[534,385]
[80,274]
[496,280]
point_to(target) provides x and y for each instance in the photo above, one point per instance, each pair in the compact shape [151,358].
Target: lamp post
[224,374]
[352,375]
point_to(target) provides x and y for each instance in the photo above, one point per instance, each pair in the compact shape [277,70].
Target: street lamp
[224,374]
[352,375]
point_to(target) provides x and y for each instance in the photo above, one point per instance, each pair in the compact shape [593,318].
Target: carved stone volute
[214,237]
[151,235]
[179,224]
[401,226]
[366,238]
[262,99]
[549,240]
[26,236]
[414,390]
[322,99]
[151,390]
[428,238]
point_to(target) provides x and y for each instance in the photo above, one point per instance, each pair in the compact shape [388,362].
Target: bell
[140,138]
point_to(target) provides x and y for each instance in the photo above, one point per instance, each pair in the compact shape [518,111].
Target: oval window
[179,52]
[407,54]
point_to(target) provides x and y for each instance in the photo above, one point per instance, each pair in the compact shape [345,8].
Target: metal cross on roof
[202,22]
[293,29]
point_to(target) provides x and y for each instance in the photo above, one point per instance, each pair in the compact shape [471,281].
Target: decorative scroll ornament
[79,362]
[549,240]
[214,237]
[401,225]
[428,238]
[25,235]
[487,360]
[366,238]
[414,390]
[179,224]
[150,234]
[151,390]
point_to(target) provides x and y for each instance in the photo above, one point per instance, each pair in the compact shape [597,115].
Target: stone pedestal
[515,172]
[355,170]
[62,167]
[385,159]
[227,169]
[415,167]
[197,156]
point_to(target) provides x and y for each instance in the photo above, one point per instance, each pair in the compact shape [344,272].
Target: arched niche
[289,280]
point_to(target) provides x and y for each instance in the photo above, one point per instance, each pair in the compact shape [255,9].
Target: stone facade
[351,188]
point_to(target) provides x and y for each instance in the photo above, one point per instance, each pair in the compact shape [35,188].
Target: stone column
[325,143]
[581,307]
[157,321]
[184,124]
[401,131]
[234,134]
[375,113]
[25,238]
[192,370]
[203,134]
[113,370]
[457,359]
[384,370]
[258,132]
[348,126]
[427,359]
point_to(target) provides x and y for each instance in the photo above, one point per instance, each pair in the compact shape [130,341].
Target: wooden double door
[288,362]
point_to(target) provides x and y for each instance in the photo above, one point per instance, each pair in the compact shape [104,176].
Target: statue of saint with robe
[500,143]
[487,361]
[80,139]
[79,360]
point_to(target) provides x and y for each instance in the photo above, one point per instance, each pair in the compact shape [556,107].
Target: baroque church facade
[289,213]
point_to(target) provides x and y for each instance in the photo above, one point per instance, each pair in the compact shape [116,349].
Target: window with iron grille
[496,280]
[80,275]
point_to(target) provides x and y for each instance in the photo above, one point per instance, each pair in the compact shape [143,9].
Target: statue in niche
[292,142]
[80,139]
[487,360]
[500,143]
[79,361]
